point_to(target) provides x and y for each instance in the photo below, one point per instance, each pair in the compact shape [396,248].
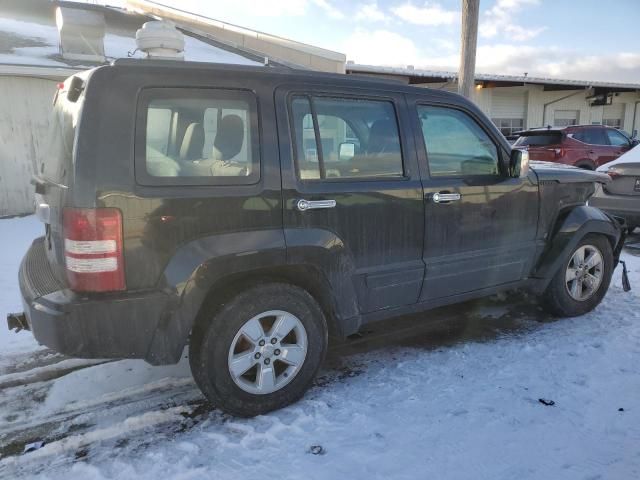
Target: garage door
[613,115]
[509,110]
[25,104]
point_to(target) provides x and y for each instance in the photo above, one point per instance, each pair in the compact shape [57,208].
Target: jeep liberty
[252,213]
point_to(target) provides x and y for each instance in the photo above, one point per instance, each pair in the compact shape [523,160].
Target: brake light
[613,174]
[93,249]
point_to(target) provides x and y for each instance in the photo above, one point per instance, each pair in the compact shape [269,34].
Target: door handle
[443,197]
[304,205]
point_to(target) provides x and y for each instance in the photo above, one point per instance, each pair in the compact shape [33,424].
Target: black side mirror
[519,163]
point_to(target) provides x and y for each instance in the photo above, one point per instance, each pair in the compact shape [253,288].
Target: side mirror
[346,151]
[519,164]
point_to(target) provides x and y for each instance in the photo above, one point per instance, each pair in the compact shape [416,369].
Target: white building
[42,42]
[516,103]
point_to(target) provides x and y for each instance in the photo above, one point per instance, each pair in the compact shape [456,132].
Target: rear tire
[581,283]
[261,350]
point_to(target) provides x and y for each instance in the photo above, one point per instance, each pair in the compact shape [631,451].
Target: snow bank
[16,237]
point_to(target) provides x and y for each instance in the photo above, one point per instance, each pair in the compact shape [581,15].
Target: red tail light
[613,173]
[93,249]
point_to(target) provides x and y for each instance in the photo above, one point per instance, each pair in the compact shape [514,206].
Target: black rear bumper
[100,326]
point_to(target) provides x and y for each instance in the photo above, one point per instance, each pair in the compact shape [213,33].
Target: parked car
[252,213]
[584,146]
[621,196]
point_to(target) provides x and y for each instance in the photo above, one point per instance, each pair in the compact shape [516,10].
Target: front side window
[345,138]
[455,143]
[617,139]
[198,136]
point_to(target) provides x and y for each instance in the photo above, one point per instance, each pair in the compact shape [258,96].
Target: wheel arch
[570,228]
[308,277]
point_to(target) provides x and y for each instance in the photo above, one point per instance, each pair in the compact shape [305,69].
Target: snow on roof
[32,43]
[414,72]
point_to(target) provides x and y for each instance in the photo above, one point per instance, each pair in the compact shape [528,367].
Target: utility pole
[468,41]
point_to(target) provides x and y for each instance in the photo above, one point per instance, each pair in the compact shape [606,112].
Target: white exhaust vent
[160,39]
[81,34]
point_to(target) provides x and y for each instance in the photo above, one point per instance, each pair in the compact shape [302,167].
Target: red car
[584,146]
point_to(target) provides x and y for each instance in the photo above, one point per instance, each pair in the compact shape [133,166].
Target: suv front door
[480,224]
[347,153]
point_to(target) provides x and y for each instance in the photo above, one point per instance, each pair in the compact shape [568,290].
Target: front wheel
[261,350]
[583,279]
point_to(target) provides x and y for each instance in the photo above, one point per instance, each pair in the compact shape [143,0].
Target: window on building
[509,126]
[202,137]
[612,122]
[566,118]
[357,138]
[456,145]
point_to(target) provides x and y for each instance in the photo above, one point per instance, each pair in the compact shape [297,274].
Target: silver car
[621,196]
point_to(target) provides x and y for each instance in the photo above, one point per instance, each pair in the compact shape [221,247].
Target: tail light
[613,173]
[93,249]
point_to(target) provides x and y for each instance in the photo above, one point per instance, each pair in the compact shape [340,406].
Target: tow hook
[17,322]
[626,285]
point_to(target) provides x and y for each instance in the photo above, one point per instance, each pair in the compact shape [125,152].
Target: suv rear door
[371,218]
[480,224]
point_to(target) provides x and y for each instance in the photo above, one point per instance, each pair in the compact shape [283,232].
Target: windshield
[539,139]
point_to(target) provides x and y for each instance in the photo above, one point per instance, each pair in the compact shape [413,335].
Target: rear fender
[195,268]
[312,258]
[567,233]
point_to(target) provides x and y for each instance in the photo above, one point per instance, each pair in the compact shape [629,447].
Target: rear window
[535,139]
[197,136]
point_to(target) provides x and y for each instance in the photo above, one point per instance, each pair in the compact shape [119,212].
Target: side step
[17,322]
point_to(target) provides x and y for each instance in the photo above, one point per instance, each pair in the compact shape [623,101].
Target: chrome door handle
[445,197]
[304,205]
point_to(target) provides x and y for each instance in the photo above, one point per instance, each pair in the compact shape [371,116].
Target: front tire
[261,350]
[583,279]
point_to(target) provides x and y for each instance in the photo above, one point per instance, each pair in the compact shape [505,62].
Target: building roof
[445,76]
[29,38]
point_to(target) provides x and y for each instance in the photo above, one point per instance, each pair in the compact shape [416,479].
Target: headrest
[383,137]
[229,138]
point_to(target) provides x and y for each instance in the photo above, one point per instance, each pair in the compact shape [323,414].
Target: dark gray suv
[254,213]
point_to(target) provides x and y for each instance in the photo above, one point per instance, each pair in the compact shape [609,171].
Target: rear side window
[345,138]
[539,139]
[592,136]
[197,137]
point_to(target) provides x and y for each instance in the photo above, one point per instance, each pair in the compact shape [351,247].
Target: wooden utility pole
[468,41]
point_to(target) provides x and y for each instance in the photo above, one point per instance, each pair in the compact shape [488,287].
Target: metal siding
[25,104]
[613,111]
[508,104]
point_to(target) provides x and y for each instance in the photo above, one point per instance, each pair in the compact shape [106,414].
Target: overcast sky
[577,39]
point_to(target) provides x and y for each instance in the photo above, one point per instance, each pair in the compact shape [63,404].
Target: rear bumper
[99,326]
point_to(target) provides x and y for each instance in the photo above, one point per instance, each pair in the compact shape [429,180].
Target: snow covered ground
[408,400]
